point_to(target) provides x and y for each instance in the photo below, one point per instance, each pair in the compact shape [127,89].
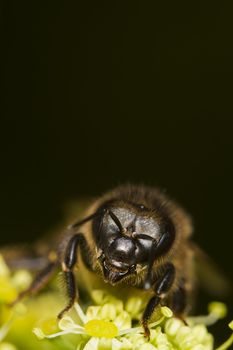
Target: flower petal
[67,324]
[80,313]
[92,344]
[41,335]
[116,344]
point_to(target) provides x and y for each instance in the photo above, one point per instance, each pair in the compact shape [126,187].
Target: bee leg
[179,303]
[41,279]
[159,249]
[162,287]
[70,260]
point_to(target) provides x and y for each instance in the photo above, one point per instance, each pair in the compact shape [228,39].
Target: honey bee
[133,236]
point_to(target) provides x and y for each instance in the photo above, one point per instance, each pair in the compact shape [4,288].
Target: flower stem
[226,344]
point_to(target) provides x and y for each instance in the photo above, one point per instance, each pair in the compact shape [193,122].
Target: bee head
[125,236]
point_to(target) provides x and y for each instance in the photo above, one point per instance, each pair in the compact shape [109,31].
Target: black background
[100,93]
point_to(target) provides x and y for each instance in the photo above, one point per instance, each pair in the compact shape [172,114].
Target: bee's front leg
[162,287]
[68,264]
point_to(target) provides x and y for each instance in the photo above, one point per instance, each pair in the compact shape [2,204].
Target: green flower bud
[21,280]
[8,292]
[93,312]
[166,311]
[218,309]
[7,346]
[101,297]
[137,340]
[172,326]
[108,311]
[123,320]
[199,331]
[134,307]
[231,325]
[208,342]
[184,338]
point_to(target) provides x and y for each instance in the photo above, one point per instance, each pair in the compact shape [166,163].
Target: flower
[109,326]
[229,341]
[10,285]
[109,323]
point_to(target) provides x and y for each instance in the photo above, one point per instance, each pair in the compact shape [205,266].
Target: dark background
[99,93]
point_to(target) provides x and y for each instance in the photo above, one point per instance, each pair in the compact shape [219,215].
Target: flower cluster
[109,326]
[107,323]
[10,285]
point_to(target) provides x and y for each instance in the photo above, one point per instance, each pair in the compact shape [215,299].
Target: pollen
[101,328]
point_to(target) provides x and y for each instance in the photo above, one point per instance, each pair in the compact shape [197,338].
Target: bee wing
[211,278]
[33,258]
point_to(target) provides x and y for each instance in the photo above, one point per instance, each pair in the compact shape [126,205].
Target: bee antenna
[116,220]
[88,218]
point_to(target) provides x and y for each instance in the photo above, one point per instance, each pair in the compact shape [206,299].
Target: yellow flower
[108,326]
